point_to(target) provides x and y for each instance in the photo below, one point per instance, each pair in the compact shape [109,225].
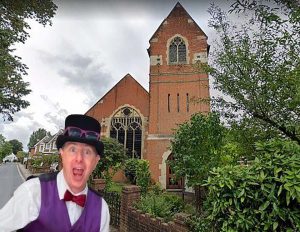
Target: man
[62,201]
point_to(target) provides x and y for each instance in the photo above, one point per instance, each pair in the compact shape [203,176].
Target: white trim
[163,169]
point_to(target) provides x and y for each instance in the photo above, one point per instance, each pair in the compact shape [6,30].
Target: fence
[113,200]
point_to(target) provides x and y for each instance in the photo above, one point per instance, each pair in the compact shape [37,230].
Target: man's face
[79,160]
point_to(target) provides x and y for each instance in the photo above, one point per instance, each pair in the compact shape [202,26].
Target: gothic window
[126,127]
[177,51]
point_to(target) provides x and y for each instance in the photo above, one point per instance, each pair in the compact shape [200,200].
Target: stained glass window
[177,51]
[126,127]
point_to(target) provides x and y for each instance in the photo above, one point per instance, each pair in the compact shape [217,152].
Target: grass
[116,187]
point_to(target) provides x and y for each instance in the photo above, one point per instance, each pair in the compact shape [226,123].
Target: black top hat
[83,126]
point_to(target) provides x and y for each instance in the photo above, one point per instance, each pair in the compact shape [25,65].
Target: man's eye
[87,152]
[72,149]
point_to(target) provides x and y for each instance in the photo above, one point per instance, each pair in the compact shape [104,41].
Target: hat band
[76,132]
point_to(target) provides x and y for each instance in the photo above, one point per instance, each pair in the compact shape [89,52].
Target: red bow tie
[79,200]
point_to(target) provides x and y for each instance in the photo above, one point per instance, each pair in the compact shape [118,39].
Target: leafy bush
[143,175]
[21,155]
[163,205]
[137,172]
[46,160]
[130,170]
[264,196]
[111,162]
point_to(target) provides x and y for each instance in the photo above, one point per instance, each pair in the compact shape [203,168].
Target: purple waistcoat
[54,215]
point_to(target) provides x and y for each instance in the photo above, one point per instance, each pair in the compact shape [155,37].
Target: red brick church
[144,121]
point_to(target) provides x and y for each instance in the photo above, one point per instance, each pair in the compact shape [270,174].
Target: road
[10,179]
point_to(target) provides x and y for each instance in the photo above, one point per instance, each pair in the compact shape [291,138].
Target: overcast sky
[88,49]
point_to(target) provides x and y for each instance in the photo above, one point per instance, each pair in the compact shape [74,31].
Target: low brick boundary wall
[134,220]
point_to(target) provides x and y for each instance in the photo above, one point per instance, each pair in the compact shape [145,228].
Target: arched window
[177,51]
[126,127]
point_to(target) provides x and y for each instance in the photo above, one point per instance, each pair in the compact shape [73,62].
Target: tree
[114,157]
[16,146]
[256,65]
[5,147]
[13,25]
[36,136]
[196,147]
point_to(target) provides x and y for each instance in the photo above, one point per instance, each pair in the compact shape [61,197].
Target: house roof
[54,137]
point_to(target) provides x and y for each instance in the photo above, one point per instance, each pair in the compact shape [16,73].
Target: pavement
[23,171]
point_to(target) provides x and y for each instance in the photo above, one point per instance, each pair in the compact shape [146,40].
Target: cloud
[90,47]
[23,124]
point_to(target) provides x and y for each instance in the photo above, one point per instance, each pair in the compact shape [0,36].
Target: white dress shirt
[24,206]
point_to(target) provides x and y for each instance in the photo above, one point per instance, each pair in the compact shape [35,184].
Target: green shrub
[264,196]
[163,205]
[143,175]
[130,170]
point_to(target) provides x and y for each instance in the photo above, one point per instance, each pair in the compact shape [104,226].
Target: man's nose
[79,155]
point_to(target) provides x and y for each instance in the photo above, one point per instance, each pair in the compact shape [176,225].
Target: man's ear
[97,160]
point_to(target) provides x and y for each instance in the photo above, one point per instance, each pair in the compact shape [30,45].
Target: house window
[177,51]
[54,145]
[41,149]
[48,145]
[126,127]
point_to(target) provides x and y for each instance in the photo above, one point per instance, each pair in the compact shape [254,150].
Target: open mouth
[78,172]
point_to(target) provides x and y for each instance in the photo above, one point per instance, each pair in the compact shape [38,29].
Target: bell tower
[175,83]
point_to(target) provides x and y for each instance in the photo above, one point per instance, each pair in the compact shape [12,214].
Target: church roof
[177,7]
[127,76]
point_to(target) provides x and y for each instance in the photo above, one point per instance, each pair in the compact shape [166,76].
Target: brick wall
[173,87]
[134,220]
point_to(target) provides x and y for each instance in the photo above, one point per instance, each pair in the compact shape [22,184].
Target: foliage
[21,155]
[130,169]
[240,139]
[163,205]
[37,161]
[16,146]
[114,157]
[137,172]
[256,64]
[36,136]
[45,160]
[115,187]
[264,196]
[143,176]
[13,26]
[196,147]
[5,147]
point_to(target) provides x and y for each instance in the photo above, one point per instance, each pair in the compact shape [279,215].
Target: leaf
[275,225]
[264,206]
[279,190]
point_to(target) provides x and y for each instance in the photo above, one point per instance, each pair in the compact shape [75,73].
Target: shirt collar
[62,186]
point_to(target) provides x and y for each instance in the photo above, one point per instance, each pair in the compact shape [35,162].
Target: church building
[145,121]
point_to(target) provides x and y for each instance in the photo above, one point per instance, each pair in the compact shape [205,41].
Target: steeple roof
[177,11]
